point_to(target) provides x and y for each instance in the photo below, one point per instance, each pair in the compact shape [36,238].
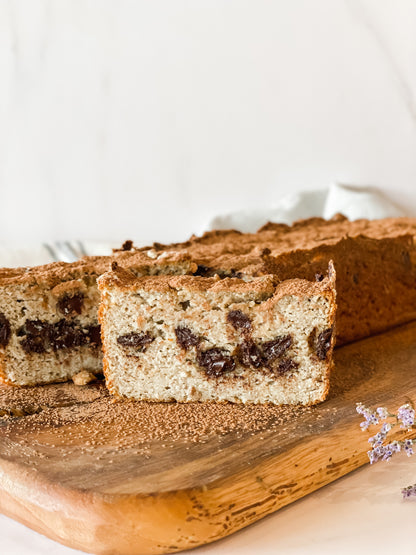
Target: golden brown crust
[3,375]
[123,280]
[106,372]
[227,249]
[53,274]
[89,267]
[231,252]
[305,234]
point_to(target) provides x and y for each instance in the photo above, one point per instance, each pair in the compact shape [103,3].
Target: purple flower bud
[390,449]
[369,415]
[383,413]
[408,447]
[409,491]
[379,438]
[383,452]
[406,415]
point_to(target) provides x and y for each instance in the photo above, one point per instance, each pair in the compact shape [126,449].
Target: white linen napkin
[353,202]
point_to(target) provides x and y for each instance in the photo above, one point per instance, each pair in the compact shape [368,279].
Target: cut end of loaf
[49,328]
[188,338]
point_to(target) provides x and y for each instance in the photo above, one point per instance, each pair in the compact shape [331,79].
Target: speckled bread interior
[204,339]
[49,329]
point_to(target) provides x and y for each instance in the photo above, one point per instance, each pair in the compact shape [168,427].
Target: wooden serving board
[135,478]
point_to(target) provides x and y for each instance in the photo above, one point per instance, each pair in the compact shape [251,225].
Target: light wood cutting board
[136,478]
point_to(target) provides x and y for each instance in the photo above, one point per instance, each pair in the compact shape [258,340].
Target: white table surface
[361,513]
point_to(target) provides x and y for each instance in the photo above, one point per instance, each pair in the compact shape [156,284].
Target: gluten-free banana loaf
[187,338]
[49,329]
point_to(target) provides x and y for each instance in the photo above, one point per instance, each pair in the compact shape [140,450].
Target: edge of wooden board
[177,520]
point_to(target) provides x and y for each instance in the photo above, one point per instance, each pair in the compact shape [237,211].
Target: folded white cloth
[353,202]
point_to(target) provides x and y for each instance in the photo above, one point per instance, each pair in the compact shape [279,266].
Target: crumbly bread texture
[49,329]
[48,315]
[188,338]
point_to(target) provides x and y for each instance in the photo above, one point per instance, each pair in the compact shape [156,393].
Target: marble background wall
[137,118]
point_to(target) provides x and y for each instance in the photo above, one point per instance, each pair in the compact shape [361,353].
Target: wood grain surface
[121,477]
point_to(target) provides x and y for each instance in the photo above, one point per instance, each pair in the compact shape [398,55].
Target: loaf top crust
[303,234]
[233,254]
[124,280]
[230,250]
[88,268]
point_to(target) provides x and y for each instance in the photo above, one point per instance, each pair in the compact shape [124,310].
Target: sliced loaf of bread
[187,338]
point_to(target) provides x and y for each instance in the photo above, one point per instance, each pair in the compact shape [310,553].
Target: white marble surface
[134,118]
[362,513]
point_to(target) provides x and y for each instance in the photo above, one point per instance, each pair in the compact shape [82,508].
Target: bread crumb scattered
[83,378]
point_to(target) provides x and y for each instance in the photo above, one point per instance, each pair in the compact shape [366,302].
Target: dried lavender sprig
[406,416]
[409,491]
[379,438]
[383,413]
[407,445]
[383,452]
[370,415]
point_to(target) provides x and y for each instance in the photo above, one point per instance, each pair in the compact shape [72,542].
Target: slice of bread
[49,329]
[188,338]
